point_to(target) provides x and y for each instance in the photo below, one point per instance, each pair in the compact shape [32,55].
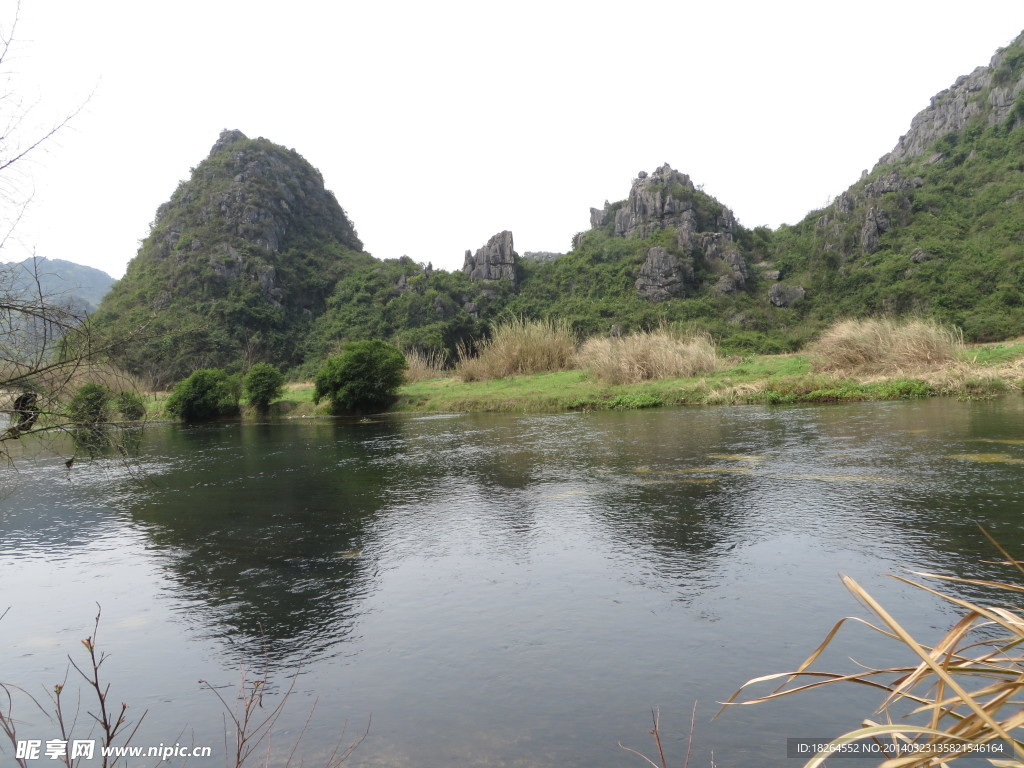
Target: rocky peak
[496,260]
[987,94]
[227,138]
[705,231]
[251,192]
[255,233]
[663,199]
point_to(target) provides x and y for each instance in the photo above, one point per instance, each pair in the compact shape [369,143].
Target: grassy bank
[976,371]
[981,371]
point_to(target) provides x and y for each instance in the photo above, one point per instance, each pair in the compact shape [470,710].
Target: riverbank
[980,371]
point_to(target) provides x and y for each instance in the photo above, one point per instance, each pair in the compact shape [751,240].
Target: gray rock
[875,223]
[772,274]
[785,295]
[918,255]
[664,275]
[726,284]
[656,201]
[496,260]
[600,216]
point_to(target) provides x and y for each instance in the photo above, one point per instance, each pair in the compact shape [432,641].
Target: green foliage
[636,400]
[401,301]
[90,405]
[264,383]
[364,376]
[815,389]
[130,405]
[236,267]
[208,393]
[951,251]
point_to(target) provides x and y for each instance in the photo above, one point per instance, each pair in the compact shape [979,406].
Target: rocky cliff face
[663,199]
[705,235]
[494,261]
[988,92]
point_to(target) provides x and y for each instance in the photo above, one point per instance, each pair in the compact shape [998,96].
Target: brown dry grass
[886,346]
[424,366]
[518,347]
[648,355]
[965,687]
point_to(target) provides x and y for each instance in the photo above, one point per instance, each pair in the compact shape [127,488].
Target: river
[502,590]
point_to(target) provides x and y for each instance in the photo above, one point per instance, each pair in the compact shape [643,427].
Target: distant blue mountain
[72,284]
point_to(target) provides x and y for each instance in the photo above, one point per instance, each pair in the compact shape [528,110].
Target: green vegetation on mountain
[253,260]
[236,266]
[954,251]
[412,305]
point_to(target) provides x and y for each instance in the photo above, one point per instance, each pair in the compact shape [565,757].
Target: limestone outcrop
[782,295]
[664,275]
[989,91]
[663,199]
[864,205]
[705,234]
[496,260]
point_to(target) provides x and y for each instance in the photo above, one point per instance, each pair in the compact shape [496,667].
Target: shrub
[886,345]
[264,383]
[90,404]
[208,393]
[130,405]
[648,355]
[362,377]
[519,346]
[635,401]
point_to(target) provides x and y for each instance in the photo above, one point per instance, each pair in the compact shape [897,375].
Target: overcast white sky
[438,124]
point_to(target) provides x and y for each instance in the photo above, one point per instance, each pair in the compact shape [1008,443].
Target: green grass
[755,379]
[994,354]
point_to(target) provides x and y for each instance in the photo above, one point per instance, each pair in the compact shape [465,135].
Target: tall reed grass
[659,354]
[519,346]
[886,346]
[424,366]
[965,690]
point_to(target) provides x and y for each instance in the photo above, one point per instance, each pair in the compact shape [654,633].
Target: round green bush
[130,405]
[363,377]
[90,404]
[263,384]
[208,393]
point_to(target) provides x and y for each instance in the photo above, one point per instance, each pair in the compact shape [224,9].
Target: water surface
[505,590]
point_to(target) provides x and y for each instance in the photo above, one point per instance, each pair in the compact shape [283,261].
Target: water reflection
[509,585]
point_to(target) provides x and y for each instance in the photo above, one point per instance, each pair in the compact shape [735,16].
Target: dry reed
[648,355]
[517,347]
[966,687]
[886,346]
[425,366]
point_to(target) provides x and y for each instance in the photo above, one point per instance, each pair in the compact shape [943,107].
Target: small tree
[364,376]
[90,404]
[208,393]
[263,384]
[130,405]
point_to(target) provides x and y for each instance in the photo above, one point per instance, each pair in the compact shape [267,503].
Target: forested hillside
[253,259]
